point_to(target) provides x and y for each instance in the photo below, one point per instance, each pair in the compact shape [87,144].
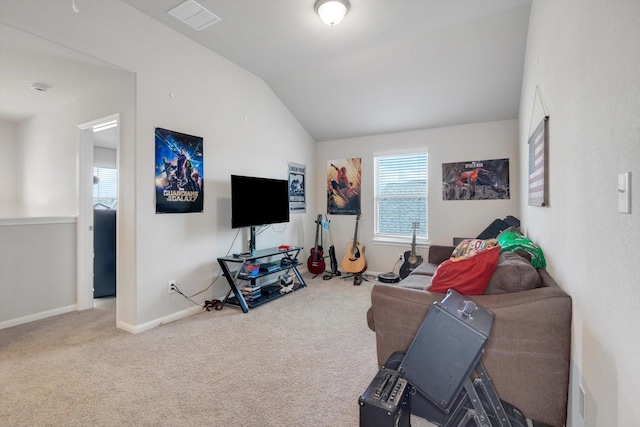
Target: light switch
[624,192]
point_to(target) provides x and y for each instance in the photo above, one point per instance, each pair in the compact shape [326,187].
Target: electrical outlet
[401,256]
[171,286]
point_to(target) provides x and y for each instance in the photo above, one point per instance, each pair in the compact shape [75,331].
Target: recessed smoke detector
[39,87]
[194,15]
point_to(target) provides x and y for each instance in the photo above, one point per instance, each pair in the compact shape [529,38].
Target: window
[401,196]
[105,188]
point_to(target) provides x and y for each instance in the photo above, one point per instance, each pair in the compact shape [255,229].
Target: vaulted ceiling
[389,66]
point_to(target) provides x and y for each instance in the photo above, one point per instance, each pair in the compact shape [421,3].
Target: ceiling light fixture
[105,126]
[39,87]
[331,11]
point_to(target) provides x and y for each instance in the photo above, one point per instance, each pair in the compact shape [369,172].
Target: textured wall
[584,57]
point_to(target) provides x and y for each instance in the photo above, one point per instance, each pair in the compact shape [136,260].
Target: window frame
[422,238]
[102,201]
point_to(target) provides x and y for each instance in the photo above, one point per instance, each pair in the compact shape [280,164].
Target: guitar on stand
[411,258]
[354,261]
[315,263]
[332,255]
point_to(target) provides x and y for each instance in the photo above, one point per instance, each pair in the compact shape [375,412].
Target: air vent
[194,15]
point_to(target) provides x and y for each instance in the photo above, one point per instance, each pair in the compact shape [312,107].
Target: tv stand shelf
[233,266]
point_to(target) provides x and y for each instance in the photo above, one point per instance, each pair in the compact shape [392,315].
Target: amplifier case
[387,401]
[449,344]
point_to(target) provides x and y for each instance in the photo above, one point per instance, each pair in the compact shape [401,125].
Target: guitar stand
[357,278]
[327,275]
[331,275]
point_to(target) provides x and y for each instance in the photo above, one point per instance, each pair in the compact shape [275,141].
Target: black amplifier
[387,401]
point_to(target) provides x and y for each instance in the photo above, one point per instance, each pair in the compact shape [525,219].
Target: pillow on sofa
[468,276]
[468,247]
[513,274]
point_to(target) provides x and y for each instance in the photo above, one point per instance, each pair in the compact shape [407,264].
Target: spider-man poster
[343,186]
[179,172]
[476,180]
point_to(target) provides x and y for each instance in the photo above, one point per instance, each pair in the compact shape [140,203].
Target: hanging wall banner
[297,198]
[538,172]
[179,172]
[476,180]
[343,186]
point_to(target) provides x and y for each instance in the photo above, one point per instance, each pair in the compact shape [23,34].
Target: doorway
[97,210]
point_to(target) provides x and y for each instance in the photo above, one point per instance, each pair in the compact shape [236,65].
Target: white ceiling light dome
[332,11]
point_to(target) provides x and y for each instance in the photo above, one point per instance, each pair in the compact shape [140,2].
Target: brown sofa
[527,354]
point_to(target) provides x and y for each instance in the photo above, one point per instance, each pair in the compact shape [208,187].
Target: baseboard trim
[136,329]
[37,316]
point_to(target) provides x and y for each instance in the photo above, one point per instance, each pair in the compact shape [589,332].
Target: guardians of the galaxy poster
[179,172]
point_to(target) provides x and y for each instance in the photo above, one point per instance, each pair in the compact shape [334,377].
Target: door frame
[85,211]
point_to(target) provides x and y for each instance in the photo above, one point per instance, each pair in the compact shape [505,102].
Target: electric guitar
[332,256]
[411,259]
[354,260]
[315,263]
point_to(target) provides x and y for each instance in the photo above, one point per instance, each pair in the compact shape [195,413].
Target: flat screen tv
[258,201]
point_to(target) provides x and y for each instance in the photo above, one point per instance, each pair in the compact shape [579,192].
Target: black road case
[433,379]
[447,348]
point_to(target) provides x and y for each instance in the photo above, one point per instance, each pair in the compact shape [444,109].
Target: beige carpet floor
[301,360]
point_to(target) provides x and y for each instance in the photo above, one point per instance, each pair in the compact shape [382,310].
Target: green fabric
[513,242]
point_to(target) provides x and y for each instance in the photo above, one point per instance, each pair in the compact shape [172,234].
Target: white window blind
[105,190]
[401,196]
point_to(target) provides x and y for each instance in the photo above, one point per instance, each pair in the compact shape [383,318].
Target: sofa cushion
[416,281]
[425,269]
[513,274]
[469,275]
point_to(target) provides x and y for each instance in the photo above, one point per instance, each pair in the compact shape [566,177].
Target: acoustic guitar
[411,258]
[315,263]
[354,260]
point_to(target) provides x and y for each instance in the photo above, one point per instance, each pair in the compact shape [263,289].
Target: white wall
[245,127]
[34,292]
[585,58]
[105,157]
[48,143]
[10,179]
[447,219]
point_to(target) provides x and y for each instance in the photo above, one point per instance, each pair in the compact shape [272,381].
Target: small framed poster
[297,185]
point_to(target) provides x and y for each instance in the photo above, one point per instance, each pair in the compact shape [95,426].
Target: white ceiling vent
[194,15]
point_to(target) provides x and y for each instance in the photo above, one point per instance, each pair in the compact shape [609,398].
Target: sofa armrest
[439,253]
[527,353]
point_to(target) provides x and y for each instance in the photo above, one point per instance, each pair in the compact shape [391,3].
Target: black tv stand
[233,266]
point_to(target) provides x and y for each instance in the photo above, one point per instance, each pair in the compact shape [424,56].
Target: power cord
[215,303]
[396,264]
